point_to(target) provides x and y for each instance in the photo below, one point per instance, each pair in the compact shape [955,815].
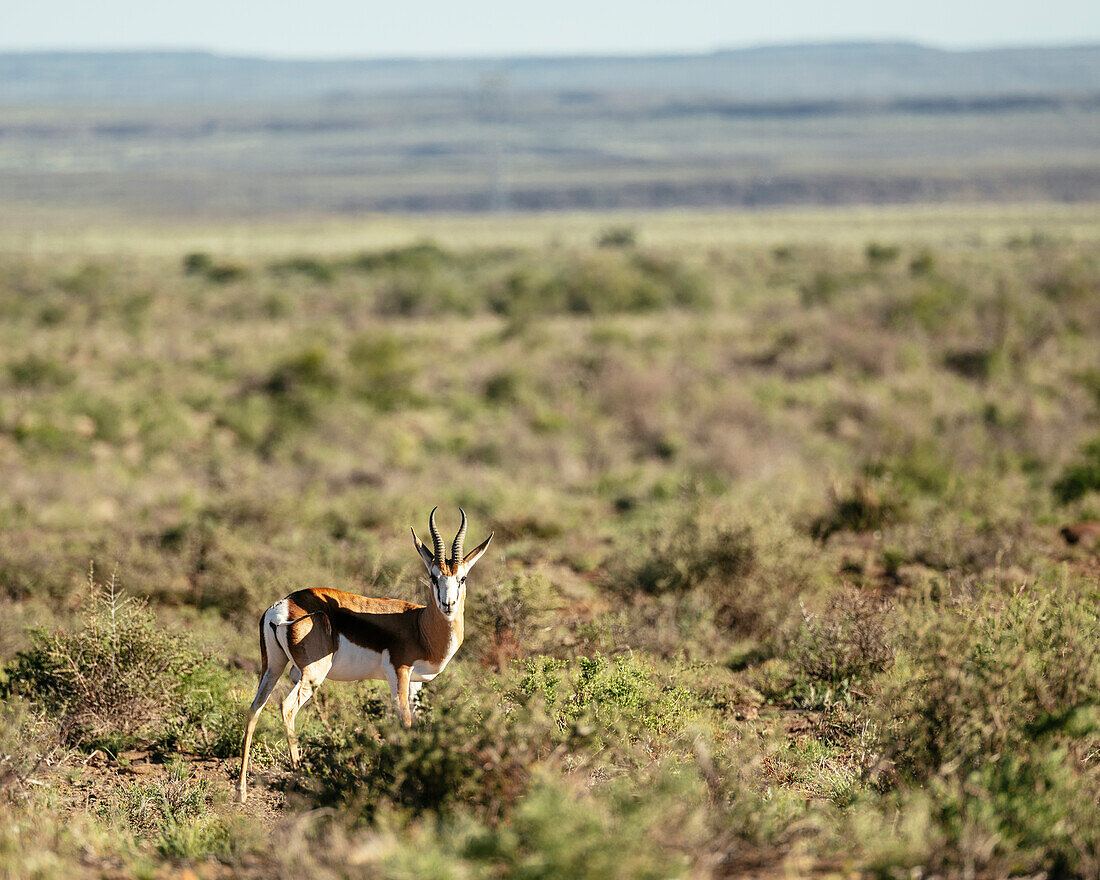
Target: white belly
[353,663]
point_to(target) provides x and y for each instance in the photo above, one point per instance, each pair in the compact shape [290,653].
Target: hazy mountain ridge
[868,71]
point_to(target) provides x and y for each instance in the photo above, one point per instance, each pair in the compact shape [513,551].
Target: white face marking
[447,590]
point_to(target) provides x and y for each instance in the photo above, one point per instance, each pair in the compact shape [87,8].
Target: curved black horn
[456,547]
[437,538]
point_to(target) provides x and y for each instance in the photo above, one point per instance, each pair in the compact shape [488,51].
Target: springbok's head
[448,575]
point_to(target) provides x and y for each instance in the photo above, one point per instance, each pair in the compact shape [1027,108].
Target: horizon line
[608,55]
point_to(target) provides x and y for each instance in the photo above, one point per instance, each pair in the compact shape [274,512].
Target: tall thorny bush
[111,678]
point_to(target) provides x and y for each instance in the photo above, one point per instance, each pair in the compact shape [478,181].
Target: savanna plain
[778,587]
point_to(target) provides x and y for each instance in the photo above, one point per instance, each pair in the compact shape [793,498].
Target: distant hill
[865,71]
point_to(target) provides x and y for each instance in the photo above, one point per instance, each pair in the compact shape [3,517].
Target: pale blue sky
[328,28]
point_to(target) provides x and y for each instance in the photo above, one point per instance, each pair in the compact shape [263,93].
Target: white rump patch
[279,615]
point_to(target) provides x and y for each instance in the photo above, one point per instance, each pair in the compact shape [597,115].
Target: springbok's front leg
[404,709]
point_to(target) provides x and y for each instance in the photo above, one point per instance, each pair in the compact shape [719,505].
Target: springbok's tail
[263,646]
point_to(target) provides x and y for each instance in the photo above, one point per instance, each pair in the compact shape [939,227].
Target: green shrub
[383,371]
[934,306]
[27,739]
[617,237]
[844,645]
[820,290]
[922,264]
[559,829]
[504,617]
[599,286]
[466,751]
[306,369]
[310,267]
[34,371]
[503,389]
[619,697]
[622,693]
[690,555]
[865,506]
[208,719]
[425,256]
[1070,285]
[1081,477]
[197,263]
[225,273]
[117,676]
[984,679]
[881,254]
[86,283]
[989,717]
[556,831]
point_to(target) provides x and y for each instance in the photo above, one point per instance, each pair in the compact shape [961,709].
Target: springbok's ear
[425,554]
[474,555]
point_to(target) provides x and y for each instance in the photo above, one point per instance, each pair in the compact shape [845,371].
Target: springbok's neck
[440,635]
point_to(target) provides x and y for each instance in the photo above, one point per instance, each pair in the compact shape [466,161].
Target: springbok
[346,637]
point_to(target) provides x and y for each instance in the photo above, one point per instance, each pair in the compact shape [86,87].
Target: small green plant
[203,264]
[924,263]
[309,267]
[617,237]
[35,371]
[308,369]
[226,273]
[197,263]
[820,290]
[881,254]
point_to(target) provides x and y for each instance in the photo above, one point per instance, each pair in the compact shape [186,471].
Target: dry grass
[748,546]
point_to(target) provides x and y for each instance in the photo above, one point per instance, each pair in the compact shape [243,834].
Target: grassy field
[777,587]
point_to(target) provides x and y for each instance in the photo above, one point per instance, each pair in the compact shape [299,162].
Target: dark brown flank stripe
[409,632]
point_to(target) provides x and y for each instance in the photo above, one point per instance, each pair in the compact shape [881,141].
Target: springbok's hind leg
[273,663]
[311,646]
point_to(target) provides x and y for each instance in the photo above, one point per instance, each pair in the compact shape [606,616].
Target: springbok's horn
[456,547]
[436,537]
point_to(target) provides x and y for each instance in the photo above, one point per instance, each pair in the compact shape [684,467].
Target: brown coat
[409,632]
